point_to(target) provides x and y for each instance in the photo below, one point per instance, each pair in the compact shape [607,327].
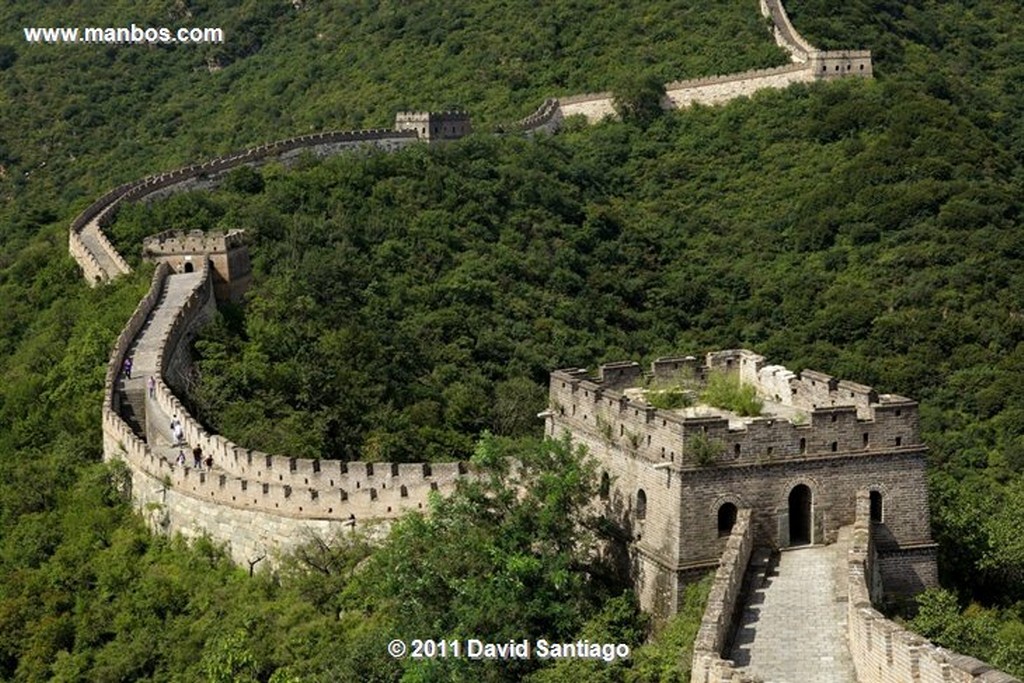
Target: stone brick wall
[226,253]
[91,268]
[662,457]
[256,504]
[786,36]
[716,625]
[809,65]
[720,89]
[593,106]
[882,651]
[547,118]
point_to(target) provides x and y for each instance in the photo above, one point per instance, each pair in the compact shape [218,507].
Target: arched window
[641,504]
[606,486]
[876,506]
[403,491]
[726,519]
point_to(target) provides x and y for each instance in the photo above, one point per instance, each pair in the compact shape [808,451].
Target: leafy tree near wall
[638,100]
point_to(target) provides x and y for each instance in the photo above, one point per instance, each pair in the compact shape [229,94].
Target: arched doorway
[726,519]
[876,506]
[189,267]
[800,515]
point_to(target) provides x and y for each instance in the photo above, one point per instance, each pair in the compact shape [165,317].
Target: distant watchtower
[433,126]
[183,251]
[673,478]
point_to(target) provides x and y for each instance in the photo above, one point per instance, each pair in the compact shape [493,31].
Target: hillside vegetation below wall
[884,652]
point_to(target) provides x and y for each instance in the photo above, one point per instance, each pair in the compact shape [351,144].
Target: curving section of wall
[547,118]
[786,36]
[716,626]
[258,505]
[99,260]
[884,652]
[810,64]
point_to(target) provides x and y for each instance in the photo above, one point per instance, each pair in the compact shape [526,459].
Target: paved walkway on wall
[144,351]
[793,630]
[91,240]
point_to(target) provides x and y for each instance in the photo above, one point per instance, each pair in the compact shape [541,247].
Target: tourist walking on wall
[127,368]
[181,457]
[197,458]
[177,433]
[151,383]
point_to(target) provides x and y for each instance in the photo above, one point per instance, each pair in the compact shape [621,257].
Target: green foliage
[639,100]
[667,659]
[705,450]
[669,399]
[509,555]
[404,304]
[725,390]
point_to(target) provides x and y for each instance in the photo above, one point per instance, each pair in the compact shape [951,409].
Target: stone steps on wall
[133,408]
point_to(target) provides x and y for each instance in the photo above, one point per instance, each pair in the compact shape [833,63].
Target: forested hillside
[403,304]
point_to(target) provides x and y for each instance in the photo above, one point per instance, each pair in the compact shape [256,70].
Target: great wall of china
[260,505]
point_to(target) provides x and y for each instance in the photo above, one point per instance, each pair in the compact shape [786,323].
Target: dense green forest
[405,304]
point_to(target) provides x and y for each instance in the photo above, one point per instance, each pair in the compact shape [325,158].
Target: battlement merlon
[192,242]
[805,415]
[829,64]
[445,125]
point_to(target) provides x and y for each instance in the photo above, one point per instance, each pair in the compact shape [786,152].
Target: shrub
[726,391]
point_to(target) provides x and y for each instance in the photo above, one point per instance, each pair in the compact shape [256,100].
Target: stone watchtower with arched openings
[226,251]
[674,477]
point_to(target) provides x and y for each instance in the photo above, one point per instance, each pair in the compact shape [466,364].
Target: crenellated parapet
[259,505]
[806,415]
[674,477]
[882,650]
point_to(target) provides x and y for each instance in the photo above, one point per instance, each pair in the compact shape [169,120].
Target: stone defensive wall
[723,603]
[786,36]
[817,428]
[547,118]
[809,65]
[256,503]
[719,89]
[103,211]
[884,652]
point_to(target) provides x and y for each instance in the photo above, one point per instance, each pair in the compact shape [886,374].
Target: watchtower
[434,126]
[673,478]
[227,252]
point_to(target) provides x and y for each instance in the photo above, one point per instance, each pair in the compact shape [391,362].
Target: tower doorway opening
[726,519]
[800,515]
[189,267]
